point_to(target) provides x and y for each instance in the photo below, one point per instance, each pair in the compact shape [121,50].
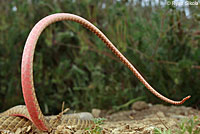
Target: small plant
[189,126]
[185,127]
[96,129]
[159,131]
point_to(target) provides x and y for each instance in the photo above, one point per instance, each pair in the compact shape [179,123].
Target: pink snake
[27,66]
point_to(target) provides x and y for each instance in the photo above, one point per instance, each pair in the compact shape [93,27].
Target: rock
[96,113]
[179,117]
[139,105]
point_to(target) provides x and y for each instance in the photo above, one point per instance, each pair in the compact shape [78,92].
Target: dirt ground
[143,118]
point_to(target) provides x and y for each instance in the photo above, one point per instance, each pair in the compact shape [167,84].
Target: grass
[190,126]
[96,129]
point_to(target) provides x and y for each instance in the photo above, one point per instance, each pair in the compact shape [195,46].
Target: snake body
[34,113]
[18,117]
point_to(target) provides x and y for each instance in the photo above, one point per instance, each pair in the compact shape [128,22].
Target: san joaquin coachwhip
[20,119]
[35,113]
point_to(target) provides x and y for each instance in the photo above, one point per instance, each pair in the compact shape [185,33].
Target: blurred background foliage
[72,65]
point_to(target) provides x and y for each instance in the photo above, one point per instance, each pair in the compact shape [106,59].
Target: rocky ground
[143,118]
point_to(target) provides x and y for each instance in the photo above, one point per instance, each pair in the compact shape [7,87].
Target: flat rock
[139,105]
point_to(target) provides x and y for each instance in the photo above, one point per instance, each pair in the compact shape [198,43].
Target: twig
[59,116]
[162,122]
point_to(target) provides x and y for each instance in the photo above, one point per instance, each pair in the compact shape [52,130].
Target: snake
[33,114]
[18,117]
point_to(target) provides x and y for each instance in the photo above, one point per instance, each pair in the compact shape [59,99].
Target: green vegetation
[96,129]
[71,64]
[190,126]
[159,131]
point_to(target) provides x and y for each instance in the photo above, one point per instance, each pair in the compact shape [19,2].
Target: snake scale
[20,119]
[33,115]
